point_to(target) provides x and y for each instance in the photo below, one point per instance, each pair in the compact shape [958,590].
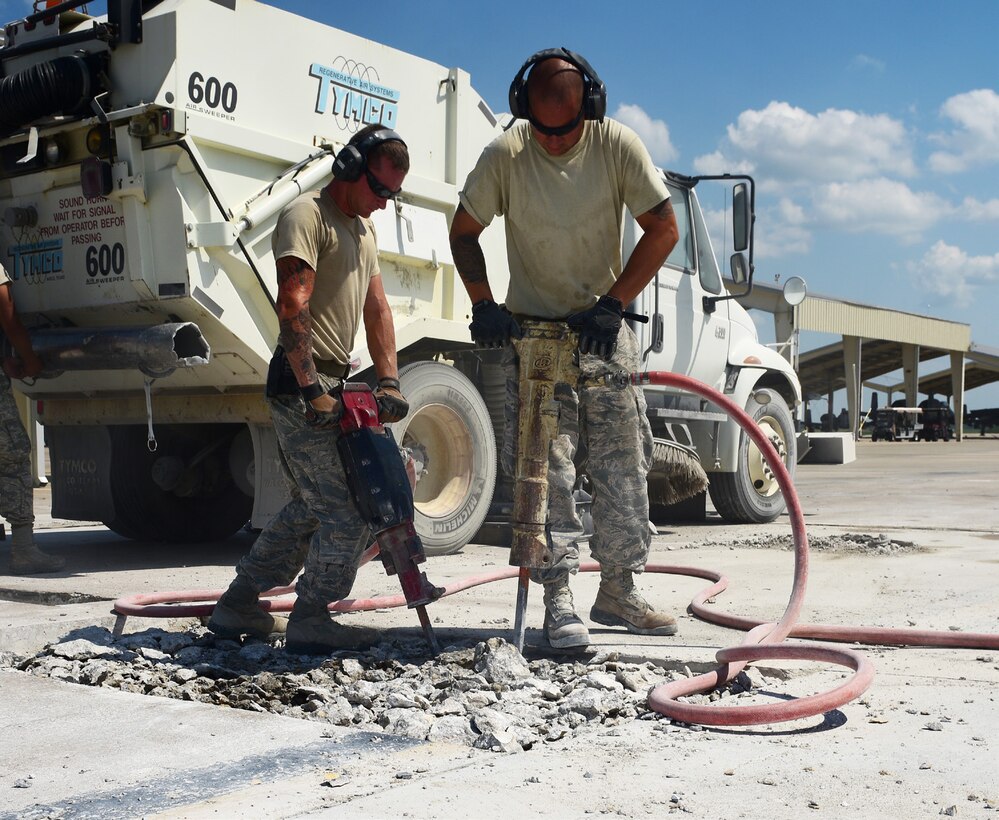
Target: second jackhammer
[384,497]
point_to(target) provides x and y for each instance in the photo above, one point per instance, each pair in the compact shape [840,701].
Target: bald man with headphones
[328,283]
[561,179]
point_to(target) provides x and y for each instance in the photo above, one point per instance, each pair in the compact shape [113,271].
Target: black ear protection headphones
[352,159]
[594,90]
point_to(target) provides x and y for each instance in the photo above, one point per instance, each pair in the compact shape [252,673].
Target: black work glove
[392,406]
[492,325]
[598,327]
[327,417]
[322,420]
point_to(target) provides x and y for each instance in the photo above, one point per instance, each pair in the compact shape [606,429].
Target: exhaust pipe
[156,351]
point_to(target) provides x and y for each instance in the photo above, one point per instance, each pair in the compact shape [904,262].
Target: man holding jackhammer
[328,281]
[561,180]
[16,483]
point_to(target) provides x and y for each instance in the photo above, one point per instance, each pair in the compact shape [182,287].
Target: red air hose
[762,641]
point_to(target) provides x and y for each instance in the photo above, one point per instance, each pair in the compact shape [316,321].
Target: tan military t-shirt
[564,215]
[342,250]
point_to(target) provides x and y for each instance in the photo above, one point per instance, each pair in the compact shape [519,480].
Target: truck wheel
[751,495]
[185,491]
[450,435]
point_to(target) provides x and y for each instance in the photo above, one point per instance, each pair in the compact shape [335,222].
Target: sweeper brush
[676,473]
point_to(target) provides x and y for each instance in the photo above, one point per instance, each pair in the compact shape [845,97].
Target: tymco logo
[351,90]
[36,261]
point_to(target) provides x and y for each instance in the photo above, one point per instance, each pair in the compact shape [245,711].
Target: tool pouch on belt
[281,379]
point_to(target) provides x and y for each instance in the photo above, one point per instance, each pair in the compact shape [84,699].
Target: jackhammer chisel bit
[546,352]
[383,495]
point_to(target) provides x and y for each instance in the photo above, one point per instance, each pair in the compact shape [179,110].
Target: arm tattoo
[295,274]
[663,211]
[469,259]
[295,283]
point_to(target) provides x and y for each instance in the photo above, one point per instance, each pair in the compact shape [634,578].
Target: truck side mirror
[795,292]
[739,268]
[741,218]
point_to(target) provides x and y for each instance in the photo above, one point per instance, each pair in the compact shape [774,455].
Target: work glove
[598,327]
[492,325]
[321,420]
[392,406]
[324,419]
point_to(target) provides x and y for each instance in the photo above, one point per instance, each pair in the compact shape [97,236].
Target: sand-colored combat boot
[237,613]
[618,603]
[26,558]
[563,629]
[311,631]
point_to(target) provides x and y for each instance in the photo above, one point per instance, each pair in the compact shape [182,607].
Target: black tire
[751,495]
[449,431]
[144,511]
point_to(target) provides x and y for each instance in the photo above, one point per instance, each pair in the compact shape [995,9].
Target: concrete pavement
[921,742]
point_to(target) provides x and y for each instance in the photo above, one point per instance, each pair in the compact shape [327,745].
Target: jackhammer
[548,353]
[384,498]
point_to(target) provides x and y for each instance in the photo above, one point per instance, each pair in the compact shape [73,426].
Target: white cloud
[654,133]
[878,206]
[778,239]
[718,163]
[949,271]
[780,231]
[791,212]
[865,62]
[783,231]
[787,144]
[974,210]
[974,142]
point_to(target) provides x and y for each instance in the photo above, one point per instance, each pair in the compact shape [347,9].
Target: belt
[329,367]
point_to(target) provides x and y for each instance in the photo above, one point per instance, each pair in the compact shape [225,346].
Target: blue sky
[871,128]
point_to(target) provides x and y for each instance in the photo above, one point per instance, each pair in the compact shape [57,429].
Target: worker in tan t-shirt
[561,180]
[328,282]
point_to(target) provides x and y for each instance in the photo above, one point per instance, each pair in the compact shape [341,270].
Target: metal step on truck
[144,158]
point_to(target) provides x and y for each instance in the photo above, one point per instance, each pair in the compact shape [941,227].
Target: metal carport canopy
[876,341]
[981,367]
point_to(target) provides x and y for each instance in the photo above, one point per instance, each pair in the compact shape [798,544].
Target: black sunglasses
[378,188]
[558,130]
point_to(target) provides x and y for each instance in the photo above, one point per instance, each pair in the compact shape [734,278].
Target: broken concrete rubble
[488,695]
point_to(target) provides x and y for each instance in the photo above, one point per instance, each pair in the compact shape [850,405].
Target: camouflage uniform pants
[611,424]
[15,461]
[320,527]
